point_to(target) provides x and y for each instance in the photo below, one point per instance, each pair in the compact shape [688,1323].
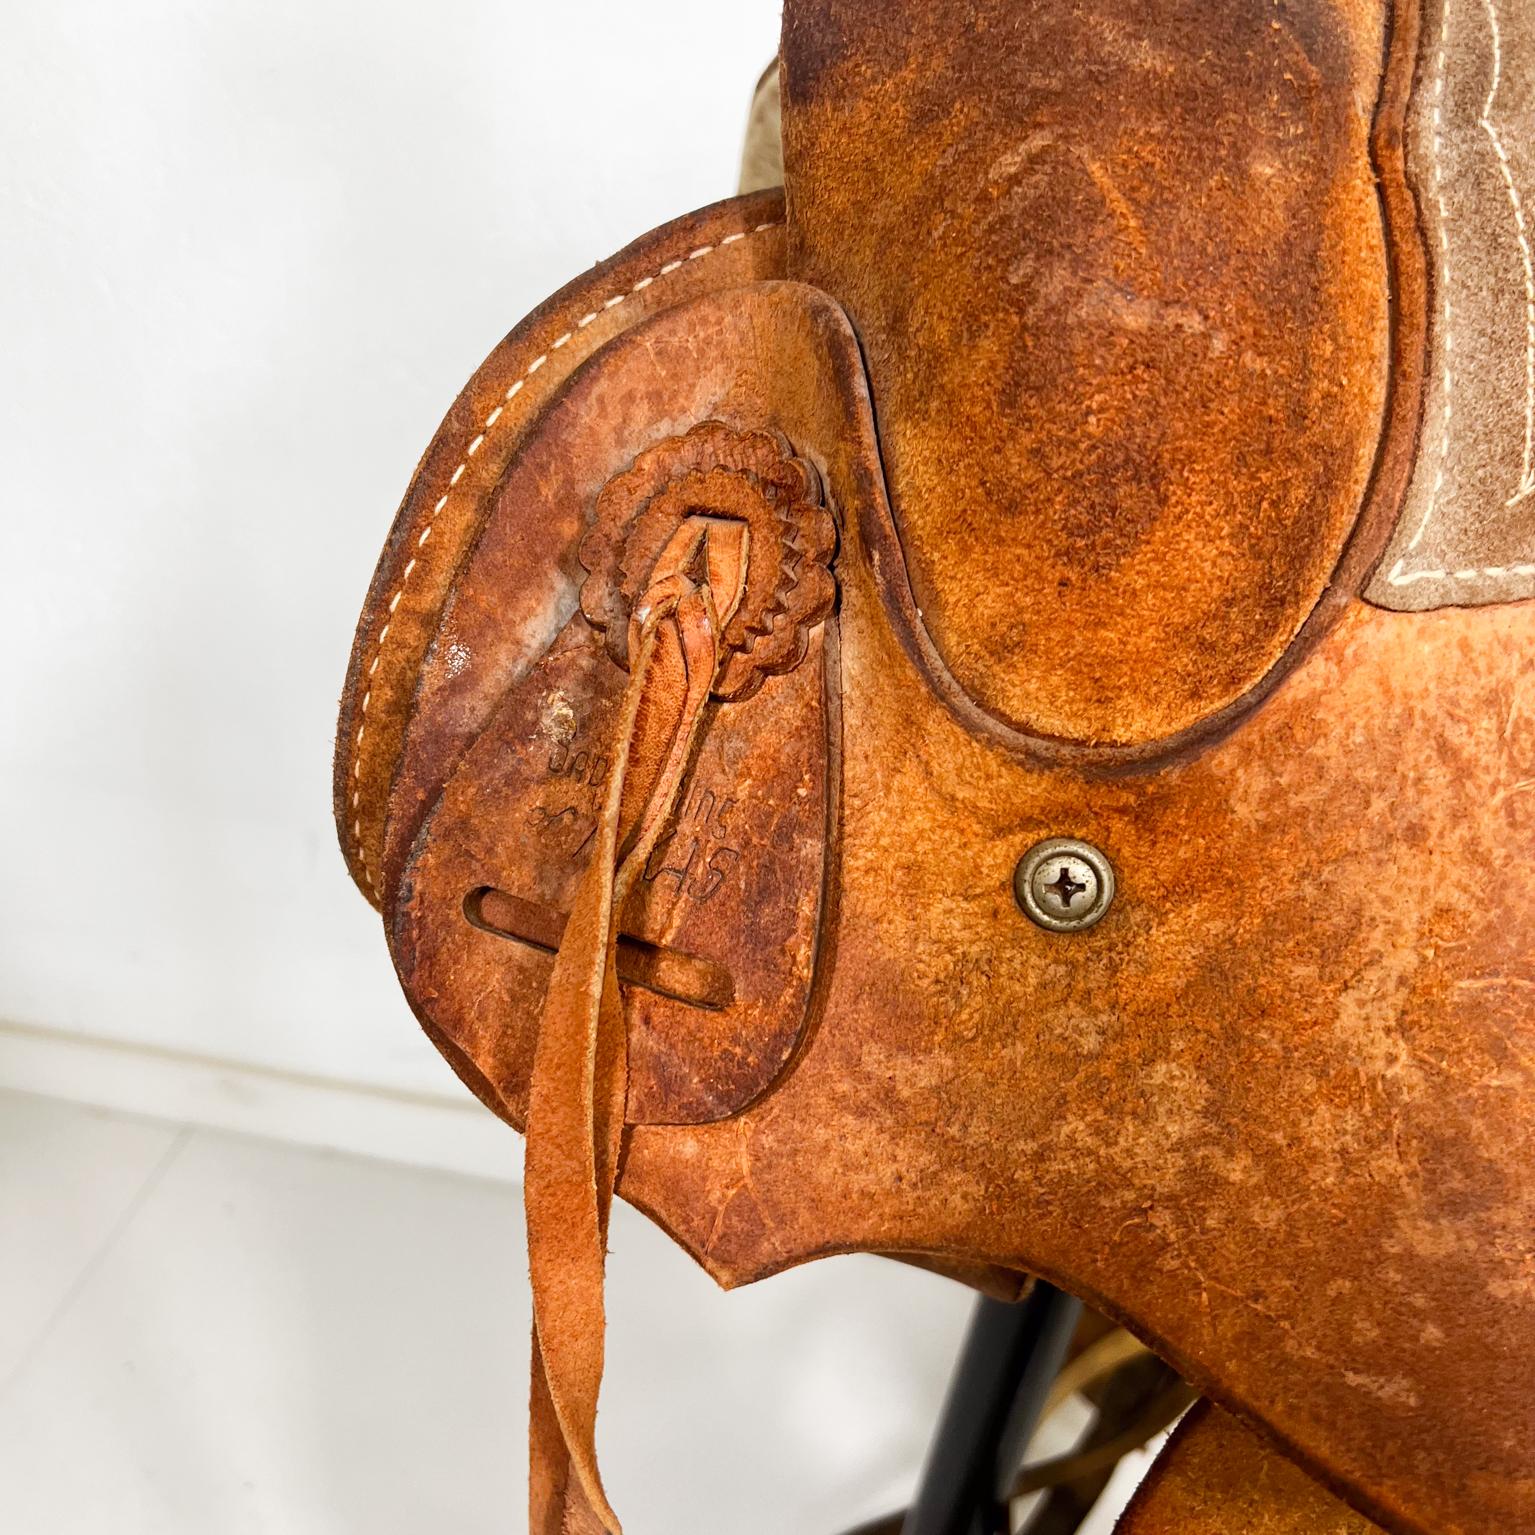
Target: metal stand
[1010,1356]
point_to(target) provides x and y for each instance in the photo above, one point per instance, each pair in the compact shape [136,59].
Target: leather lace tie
[578,1089]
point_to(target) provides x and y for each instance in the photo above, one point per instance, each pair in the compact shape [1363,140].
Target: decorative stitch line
[1398,575]
[474,447]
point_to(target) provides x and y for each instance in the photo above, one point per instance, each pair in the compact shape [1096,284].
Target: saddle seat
[1052,459]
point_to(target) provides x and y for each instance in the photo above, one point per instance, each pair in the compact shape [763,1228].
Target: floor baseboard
[420,1129]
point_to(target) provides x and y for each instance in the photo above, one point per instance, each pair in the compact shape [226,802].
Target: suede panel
[1467,533]
[1119,278]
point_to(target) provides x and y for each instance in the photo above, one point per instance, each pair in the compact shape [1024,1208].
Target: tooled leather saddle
[980,707]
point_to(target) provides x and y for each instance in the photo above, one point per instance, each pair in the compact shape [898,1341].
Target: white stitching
[1399,575]
[457,475]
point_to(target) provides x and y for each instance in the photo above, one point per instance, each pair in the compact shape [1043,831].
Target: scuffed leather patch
[1467,531]
[504,762]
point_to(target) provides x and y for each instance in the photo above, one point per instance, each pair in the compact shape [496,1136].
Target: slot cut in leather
[667,972]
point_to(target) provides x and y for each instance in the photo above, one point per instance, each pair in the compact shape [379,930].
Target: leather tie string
[579,1083]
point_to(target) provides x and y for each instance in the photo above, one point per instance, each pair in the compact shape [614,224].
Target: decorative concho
[752,477]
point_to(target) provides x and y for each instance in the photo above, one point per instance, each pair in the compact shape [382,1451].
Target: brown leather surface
[1303,1023]
[1303,1028]
[1214,1477]
[1467,534]
[1119,278]
[1277,1111]
[739,883]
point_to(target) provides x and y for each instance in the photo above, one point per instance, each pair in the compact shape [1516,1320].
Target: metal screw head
[1064,885]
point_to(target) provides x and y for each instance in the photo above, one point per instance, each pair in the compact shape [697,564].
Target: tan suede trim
[1467,532]
[762,154]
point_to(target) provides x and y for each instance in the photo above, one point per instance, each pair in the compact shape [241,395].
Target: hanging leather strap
[576,1105]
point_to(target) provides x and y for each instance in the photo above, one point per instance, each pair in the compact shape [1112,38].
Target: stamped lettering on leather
[1467,532]
[698,851]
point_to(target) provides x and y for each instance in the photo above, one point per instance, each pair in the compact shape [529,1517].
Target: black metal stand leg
[1010,1356]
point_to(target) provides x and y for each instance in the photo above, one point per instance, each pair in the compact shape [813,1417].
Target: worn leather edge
[997,1275]
[1292,1502]
[1407,257]
[437,521]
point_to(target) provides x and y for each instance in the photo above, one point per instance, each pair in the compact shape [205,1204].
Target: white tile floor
[201,1332]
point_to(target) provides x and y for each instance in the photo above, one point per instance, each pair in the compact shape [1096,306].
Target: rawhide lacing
[750,477]
[708,564]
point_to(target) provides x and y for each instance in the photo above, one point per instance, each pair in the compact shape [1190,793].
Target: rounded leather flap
[507,761]
[1119,276]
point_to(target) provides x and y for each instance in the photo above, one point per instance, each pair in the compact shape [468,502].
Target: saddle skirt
[1113,445]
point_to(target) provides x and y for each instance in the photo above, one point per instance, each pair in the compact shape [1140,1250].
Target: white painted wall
[249,251]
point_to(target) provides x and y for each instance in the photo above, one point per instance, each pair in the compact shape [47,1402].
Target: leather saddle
[980,707]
